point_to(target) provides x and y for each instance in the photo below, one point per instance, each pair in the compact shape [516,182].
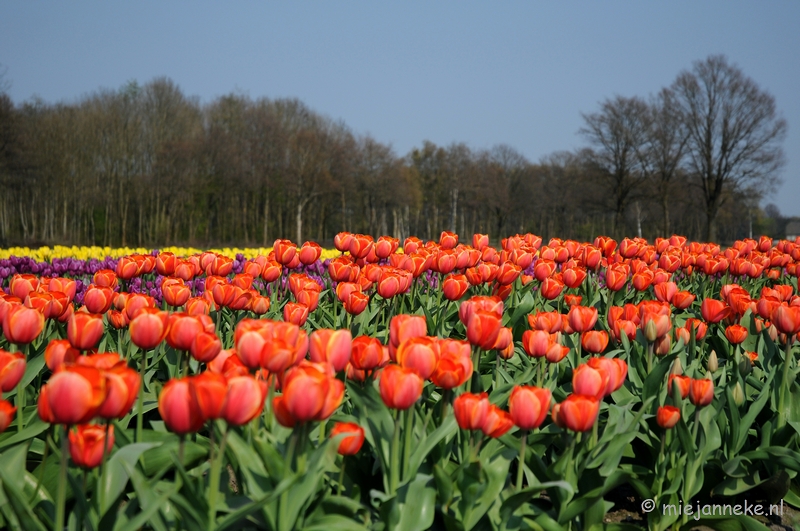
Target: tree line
[150,166]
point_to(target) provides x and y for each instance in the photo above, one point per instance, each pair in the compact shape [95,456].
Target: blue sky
[483,73]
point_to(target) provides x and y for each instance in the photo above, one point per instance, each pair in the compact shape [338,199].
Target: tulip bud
[738,394]
[713,363]
[677,368]
[745,366]
[651,331]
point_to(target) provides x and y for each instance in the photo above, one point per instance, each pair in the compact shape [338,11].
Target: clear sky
[483,73]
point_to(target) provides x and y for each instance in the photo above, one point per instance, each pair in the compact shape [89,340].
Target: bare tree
[734,134]
[620,134]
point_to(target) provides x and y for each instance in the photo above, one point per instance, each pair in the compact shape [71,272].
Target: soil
[627,510]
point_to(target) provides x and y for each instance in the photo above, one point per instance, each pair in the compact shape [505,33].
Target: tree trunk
[299,221]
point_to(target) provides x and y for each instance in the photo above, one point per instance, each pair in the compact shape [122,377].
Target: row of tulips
[577,369]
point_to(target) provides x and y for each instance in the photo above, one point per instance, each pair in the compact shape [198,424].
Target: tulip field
[435,385]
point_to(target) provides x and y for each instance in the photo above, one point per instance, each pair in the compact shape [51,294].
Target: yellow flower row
[46,254]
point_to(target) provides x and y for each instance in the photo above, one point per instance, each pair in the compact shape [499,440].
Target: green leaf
[30,431]
[413,508]
[516,500]
[333,522]
[115,477]
[447,428]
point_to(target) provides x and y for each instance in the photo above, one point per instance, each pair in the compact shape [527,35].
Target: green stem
[213,486]
[394,457]
[340,485]
[140,399]
[787,362]
[20,400]
[47,442]
[408,432]
[61,495]
[497,371]
[103,464]
[521,459]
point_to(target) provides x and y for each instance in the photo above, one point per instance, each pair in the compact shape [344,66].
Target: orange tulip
[483,328]
[699,327]
[578,412]
[616,277]
[285,251]
[403,327]
[594,341]
[714,311]
[668,416]
[537,342]
[21,285]
[682,382]
[305,390]
[701,392]
[454,287]
[183,328]
[582,318]
[665,291]
[135,302]
[198,306]
[98,299]
[418,354]
[400,388]
[84,330]
[471,410]
[209,390]
[6,414]
[87,443]
[480,241]
[73,395]
[455,364]
[448,240]
[787,319]
[122,384]
[244,400]
[296,313]
[178,407]
[176,294]
[528,406]
[309,253]
[497,423]
[331,346]
[550,322]
[105,278]
[588,381]
[57,353]
[736,333]
[551,288]
[149,328]
[613,370]
[360,245]
[12,368]
[356,303]
[205,347]
[367,353]
[21,324]
[351,444]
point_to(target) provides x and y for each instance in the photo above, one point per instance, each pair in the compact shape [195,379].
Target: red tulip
[578,412]
[57,353]
[612,370]
[21,285]
[594,341]
[497,423]
[295,313]
[529,406]
[403,327]
[455,364]
[400,388]
[736,333]
[205,347]
[307,391]
[135,302]
[454,287]
[12,368]
[367,353]
[209,390]
[6,414]
[356,303]
[668,416]
[616,277]
[360,245]
[714,311]
[285,251]
[331,346]
[471,410]
[588,381]
[21,325]
[73,395]
[88,442]
[550,322]
[178,407]
[551,288]
[309,253]
[176,294]
[787,319]
[418,354]
[149,328]
[701,392]
[351,444]
[84,330]
[682,382]
[122,384]
[537,342]
[244,400]
[582,318]
[483,328]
